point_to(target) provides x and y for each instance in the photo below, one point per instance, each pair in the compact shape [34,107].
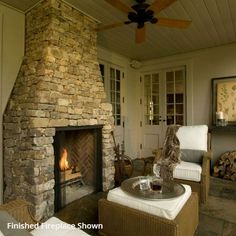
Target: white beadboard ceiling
[213,24]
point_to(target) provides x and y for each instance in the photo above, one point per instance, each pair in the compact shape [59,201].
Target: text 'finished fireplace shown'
[78,163]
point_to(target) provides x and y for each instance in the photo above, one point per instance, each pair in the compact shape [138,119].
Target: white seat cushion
[168,208]
[193,137]
[188,171]
[55,227]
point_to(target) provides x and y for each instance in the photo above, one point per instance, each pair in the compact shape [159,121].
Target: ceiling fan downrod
[140,1]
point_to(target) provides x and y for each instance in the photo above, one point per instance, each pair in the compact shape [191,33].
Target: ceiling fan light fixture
[140,1]
[148,18]
[154,20]
[128,22]
[132,16]
[150,12]
[140,25]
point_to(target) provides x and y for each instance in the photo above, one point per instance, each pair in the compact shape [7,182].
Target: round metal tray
[169,189]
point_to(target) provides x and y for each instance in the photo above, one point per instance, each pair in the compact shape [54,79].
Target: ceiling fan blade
[110,26]
[173,23]
[120,5]
[159,5]
[140,34]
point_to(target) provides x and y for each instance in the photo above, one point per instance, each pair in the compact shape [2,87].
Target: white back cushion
[193,137]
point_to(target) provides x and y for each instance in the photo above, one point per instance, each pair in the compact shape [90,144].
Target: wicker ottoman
[119,220]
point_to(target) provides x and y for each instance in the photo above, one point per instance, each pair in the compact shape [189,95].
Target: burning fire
[64,164]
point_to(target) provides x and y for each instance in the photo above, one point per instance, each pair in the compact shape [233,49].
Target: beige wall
[11,54]
[202,66]
[12,49]
[214,63]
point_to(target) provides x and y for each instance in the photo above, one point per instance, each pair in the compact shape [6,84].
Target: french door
[163,103]
[112,78]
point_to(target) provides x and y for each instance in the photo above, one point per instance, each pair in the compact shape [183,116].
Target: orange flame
[64,164]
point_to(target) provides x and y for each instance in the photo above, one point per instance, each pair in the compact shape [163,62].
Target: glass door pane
[151,99]
[102,70]
[175,97]
[115,80]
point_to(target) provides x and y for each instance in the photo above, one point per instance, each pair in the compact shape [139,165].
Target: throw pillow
[190,155]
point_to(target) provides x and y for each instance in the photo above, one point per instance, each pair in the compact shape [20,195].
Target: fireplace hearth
[78,163]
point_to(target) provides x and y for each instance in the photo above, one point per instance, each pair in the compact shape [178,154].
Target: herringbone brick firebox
[78,163]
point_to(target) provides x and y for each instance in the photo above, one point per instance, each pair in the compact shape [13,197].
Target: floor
[84,210]
[217,216]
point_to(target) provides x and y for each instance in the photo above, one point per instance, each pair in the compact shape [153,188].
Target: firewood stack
[225,166]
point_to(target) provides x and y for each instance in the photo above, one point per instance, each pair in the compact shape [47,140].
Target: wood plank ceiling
[213,24]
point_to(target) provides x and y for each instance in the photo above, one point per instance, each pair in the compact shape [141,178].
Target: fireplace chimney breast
[59,85]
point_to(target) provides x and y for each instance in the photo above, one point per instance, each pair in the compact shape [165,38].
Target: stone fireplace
[58,86]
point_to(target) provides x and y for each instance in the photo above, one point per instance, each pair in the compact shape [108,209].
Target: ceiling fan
[141,13]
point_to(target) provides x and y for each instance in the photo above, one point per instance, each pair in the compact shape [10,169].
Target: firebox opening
[78,163]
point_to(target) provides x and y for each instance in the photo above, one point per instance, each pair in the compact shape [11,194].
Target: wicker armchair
[202,186]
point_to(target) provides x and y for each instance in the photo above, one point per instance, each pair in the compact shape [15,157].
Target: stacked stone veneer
[59,84]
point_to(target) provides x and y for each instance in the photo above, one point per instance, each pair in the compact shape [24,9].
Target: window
[102,70]
[151,99]
[175,97]
[115,77]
